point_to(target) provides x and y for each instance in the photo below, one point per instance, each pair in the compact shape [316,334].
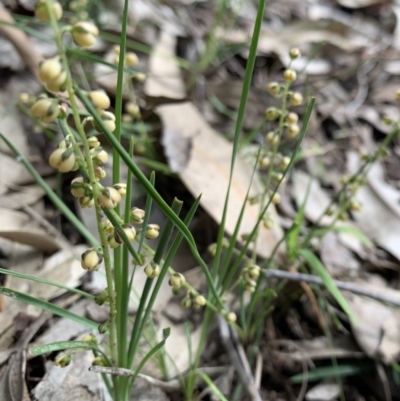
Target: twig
[356,289]
[239,362]
[169,386]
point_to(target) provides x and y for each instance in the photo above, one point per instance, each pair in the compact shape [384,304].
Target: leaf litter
[336,38]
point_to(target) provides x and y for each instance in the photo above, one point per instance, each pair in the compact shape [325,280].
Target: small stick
[354,288]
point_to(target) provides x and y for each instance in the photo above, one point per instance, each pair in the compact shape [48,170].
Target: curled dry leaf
[206,172]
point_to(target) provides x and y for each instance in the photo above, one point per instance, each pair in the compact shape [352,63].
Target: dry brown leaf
[380,213]
[207,172]
[164,81]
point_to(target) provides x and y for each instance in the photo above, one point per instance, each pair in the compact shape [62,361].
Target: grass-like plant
[234,267]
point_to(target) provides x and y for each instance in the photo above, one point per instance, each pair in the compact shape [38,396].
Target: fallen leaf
[207,173]
[164,80]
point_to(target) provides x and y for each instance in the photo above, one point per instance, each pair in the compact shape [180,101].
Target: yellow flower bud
[274,88]
[91,260]
[137,215]
[249,288]
[132,109]
[272,114]
[131,59]
[152,231]
[121,188]
[292,130]
[80,188]
[109,198]
[108,120]
[99,99]
[42,14]
[295,99]
[84,33]
[276,199]
[253,271]
[62,360]
[89,338]
[284,163]
[177,280]
[86,201]
[100,157]
[62,160]
[50,69]
[112,243]
[130,232]
[93,142]
[199,300]
[152,270]
[294,53]
[264,162]
[24,98]
[291,118]
[231,317]
[140,77]
[58,84]
[45,109]
[290,75]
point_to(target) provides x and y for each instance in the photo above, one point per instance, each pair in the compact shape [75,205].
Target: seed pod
[84,33]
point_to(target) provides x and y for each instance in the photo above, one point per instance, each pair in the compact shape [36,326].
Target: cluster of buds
[52,74]
[250,275]
[193,300]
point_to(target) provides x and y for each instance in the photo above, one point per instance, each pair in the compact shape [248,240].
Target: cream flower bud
[99,99]
[50,69]
[199,300]
[294,53]
[112,243]
[274,88]
[152,270]
[186,303]
[295,99]
[272,113]
[99,173]
[284,163]
[276,198]
[272,138]
[292,130]
[231,317]
[62,160]
[264,162]
[84,33]
[109,198]
[86,201]
[89,338]
[140,77]
[108,120]
[107,226]
[59,84]
[253,271]
[45,109]
[130,232]
[131,59]
[62,360]
[137,216]
[355,206]
[291,118]
[249,288]
[290,75]
[91,260]
[121,188]
[152,231]
[99,361]
[100,157]
[93,142]
[132,109]
[177,280]
[80,188]
[24,98]
[42,14]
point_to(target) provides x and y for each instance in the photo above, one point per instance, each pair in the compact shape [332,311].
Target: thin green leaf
[59,346]
[355,232]
[212,386]
[319,269]
[47,306]
[327,372]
